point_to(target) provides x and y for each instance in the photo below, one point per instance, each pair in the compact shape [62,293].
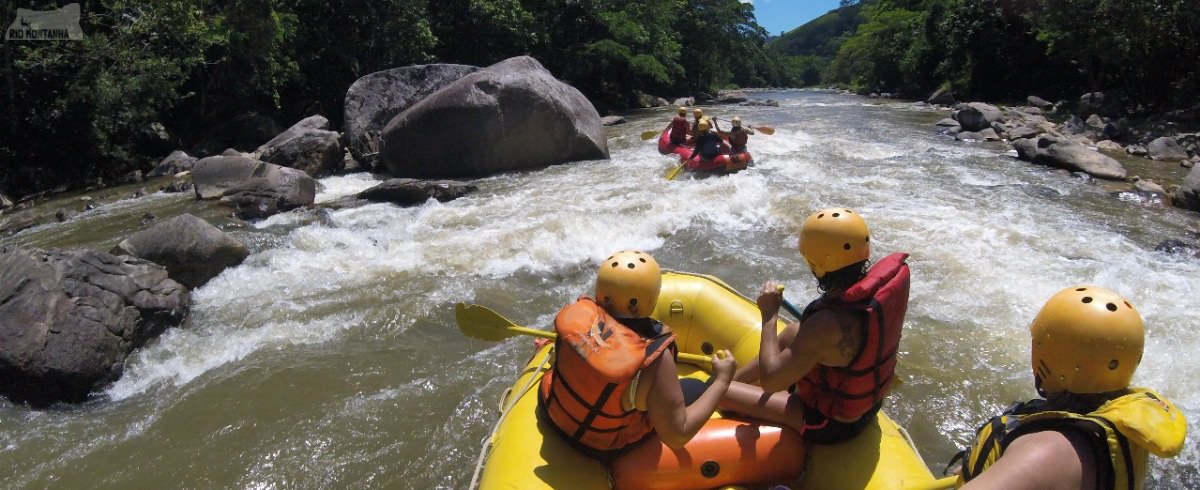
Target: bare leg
[780,408]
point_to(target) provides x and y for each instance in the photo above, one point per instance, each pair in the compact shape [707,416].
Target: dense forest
[1145,52]
[152,76]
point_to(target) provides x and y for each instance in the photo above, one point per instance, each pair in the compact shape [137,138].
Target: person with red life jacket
[738,136]
[680,130]
[826,376]
[613,381]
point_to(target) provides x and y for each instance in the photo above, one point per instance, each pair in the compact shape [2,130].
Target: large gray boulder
[68,319]
[177,161]
[1066,154]
[1167,149]
[307,146]
[192,250]
[1187,196]
[977,116]
[511,115]
[373,100]
[257,189]
[942,96]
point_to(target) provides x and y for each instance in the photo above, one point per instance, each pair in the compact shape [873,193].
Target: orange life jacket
[846,393]
[596,360]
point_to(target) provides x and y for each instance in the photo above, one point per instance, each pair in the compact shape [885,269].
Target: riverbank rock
[411,192]
[731,97]
[256,189]
[18,221]
[192,250]
[373,100]
[612,120]
[68,319]
[1187,196]
[977,116]
[1166,149]
[1065,154]
[511,115]
[177,161]
[1039,102]
[5,202]
[307,146]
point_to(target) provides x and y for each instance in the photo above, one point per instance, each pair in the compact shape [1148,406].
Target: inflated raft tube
[666,147]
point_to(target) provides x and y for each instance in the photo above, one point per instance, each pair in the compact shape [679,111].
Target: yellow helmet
[698,113]
[1086,339]
[628,283]
[832,239]
[737,121]
[682,111]
[703,126]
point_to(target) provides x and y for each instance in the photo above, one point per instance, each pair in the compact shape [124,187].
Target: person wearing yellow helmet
[738,136]
[1091,430]
[612,358]
[708,142]
[680,130]
[826,375]
[697,116]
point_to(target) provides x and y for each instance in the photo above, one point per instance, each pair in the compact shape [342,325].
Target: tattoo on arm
[847,346]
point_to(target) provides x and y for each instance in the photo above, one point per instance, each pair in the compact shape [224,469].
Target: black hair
[1081,403]
[842,279]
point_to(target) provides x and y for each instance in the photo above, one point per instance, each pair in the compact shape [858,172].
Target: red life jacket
[596,360]
[679,129]
[846,393]
[738,139]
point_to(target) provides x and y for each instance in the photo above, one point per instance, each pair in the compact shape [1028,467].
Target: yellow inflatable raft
[706,315]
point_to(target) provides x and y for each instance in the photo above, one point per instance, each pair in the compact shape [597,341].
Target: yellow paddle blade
[675,171]
[479,322]
[767,130]
[649,135]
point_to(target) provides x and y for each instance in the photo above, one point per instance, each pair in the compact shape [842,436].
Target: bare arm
[1048,460]
[674,422]
[828,337]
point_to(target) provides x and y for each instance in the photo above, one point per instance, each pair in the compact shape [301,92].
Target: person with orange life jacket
[738,136]
[680,130]
[826,376]
[613,382]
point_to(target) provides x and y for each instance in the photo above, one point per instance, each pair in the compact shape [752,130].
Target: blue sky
[784,15]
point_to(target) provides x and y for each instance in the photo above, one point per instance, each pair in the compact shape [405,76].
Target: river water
[330,358]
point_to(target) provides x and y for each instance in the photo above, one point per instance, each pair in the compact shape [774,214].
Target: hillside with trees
[1143,52]
[153,76]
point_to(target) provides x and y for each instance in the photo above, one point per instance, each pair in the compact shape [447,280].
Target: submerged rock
[192,250]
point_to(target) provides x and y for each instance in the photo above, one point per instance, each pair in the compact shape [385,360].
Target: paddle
[479,322]
[767,130]
[649,135]
[675,171]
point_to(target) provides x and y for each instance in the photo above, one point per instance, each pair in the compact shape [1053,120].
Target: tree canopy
[152,76]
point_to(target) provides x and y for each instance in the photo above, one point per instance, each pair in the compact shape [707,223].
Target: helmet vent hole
[632,301]
[642,260]
[822,215]
[845,246]
[1112,365]
[1127,305]
[1087,299]
[1111,307]
[631,265]
[614,264]
[1081,289]
[867,239]
[835,215]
